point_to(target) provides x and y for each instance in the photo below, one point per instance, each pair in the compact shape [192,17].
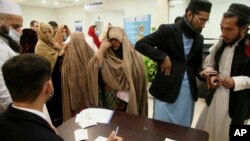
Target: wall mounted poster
[78,26]
[137,27]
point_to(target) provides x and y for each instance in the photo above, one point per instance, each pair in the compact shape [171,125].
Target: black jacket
[168,40]
[19,125]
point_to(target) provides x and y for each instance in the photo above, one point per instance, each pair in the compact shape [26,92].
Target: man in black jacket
[28,80]
[177,49]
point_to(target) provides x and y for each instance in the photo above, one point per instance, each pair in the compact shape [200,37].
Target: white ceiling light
[56,3]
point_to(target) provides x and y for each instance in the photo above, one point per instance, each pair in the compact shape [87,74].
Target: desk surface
[135,128]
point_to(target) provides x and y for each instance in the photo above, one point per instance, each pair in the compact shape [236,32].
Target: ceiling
[54,3]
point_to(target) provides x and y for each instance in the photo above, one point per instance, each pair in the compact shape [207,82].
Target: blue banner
[137,27]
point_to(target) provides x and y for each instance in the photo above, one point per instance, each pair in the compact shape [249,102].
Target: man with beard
[11,22]
[177,49]
[228,100]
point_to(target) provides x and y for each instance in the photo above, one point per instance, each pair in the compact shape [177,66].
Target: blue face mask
[97,32]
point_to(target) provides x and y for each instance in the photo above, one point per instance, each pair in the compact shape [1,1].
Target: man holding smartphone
[228,101]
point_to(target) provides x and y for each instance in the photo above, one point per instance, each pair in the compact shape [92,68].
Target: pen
[116,131]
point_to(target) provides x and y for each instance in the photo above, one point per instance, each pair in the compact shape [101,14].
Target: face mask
[14,35]
[65,37]
[97,32]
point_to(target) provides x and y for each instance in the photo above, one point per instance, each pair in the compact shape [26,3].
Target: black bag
[166,87]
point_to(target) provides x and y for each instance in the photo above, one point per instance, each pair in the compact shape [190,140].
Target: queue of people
[49,74]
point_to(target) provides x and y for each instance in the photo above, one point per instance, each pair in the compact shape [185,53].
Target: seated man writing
[28,79]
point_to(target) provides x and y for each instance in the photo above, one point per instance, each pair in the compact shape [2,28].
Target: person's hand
[63,50]
[166,66]
[67,41]
[57,46]
[213,82]
[113,137]
[105,45]
[208,73]
[227,82]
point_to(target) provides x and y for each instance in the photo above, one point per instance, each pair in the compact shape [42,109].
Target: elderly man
[177,49]
[228,101]
[11,22]
[119,70]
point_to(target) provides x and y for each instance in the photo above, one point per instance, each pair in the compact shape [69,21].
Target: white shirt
[36,112]
[5,53]
[217,125]
[241,82]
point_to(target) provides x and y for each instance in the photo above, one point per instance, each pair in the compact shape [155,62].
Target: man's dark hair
[53,24]
[33,22]
[241,21]
[24,76]
[28,40]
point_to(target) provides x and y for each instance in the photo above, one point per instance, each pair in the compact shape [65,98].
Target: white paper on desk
[86,124]
[101,138]
[85,119]
[81,134]
[97,114]
[102,115]
[168,139]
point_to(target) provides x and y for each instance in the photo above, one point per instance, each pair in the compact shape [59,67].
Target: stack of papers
[92,116]
[168,139]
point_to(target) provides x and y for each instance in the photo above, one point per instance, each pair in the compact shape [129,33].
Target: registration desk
[135,128]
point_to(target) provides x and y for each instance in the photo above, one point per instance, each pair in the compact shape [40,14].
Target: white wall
[69,15]
[123,9]
[212,29]
[113,17]
[135,8]
[115,11]
[37,13]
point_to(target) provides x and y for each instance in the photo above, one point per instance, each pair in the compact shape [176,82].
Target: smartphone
[213,73]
